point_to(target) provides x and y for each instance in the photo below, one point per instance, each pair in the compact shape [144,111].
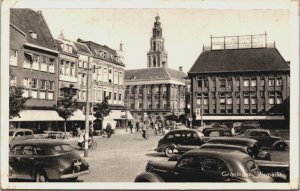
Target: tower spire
[157,55]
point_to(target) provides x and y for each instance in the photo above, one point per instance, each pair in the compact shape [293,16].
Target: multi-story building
[243,82]
[157,90]
[33,65]
[106,78]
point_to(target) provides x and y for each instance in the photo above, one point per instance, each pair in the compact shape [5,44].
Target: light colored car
[19,135]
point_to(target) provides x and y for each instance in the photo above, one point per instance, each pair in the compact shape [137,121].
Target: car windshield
[11,133]
[63,148]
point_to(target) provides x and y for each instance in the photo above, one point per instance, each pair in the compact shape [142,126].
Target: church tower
[157,56]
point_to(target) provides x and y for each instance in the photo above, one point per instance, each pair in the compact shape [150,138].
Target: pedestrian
[108,130]
[159,124]
[144,130]
[91,131]
[137,126]
[78,131]
[156,128]
[130,126]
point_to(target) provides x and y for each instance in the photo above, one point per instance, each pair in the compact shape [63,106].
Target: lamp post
[87,112]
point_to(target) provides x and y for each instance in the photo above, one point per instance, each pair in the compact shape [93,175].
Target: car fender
[51,172]
[277,142]
[148,177]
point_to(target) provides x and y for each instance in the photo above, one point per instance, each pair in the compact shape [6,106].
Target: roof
[82,48]
[153,74]
[58,42]
[239,60]
[28,21]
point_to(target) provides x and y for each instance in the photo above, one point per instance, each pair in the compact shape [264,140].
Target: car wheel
[280,146]
[169,151]
[41,176]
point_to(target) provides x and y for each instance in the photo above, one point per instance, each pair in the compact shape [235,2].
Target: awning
[79,116]
[119,114]
[241,117]
[38,115]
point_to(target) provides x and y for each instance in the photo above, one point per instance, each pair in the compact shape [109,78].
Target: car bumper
[75,174]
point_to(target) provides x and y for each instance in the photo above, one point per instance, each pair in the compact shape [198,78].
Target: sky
[185,30]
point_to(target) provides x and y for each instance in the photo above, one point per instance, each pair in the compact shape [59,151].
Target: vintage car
[44,160]
[265,139]
[179,137]
[253,147]
[241,128]
[18,135]
[204,165]
[215,132]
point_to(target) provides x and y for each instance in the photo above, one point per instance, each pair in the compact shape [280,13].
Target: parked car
[179,137]
[203,165]
[264,137]
[253,146]
[43,160]
[239,129]
[18,135]
[215,132]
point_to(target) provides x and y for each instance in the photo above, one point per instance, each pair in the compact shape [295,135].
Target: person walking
[144,130]
[108,130]
[130,126]
[137,126]
[156,129]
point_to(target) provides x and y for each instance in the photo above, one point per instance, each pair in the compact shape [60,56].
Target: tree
[67,105]
[16,101]
[101,110]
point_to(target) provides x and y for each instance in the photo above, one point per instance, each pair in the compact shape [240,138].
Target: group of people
[159,127]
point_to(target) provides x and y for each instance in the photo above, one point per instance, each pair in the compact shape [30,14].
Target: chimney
[180,68]
[121,47]
[80,40]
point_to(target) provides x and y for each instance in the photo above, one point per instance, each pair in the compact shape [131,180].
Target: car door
[15,166]
[27,160]
[201,169]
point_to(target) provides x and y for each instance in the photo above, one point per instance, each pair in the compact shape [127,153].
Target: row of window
[246,101]
[34,83]
[38,94]
[97,96]
[246,83]
[156,106]
[33,61]
[67,68]
[117,78]
[229,111]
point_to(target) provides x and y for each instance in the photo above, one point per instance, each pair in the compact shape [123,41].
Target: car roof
[43,142]
[19,129]
[182,130]
[261,130]
[225,154]
[232,139]
[219,145]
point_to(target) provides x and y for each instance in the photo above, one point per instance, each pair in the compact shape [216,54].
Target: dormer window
[33,34]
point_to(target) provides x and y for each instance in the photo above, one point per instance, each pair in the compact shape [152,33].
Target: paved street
[123,156]
[120,158]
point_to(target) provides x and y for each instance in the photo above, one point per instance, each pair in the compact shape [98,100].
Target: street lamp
[87,112]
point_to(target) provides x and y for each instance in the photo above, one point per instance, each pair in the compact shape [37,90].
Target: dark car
[178,137]
[265,139]
[43,160]
[253,147]
[261,155]
[203,165]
